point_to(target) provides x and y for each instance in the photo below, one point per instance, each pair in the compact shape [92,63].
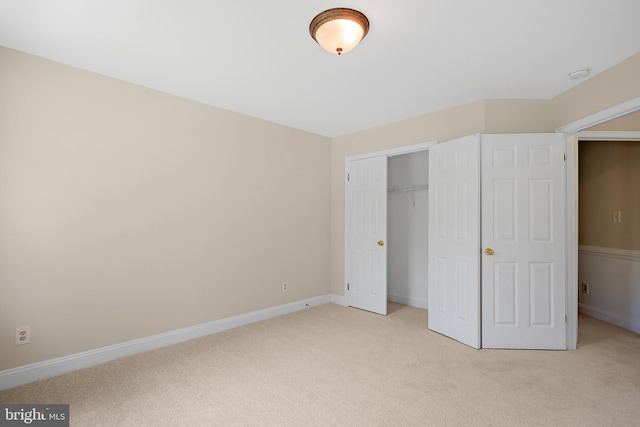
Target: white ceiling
[256,56]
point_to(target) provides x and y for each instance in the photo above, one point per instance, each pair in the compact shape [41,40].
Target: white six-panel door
[522,266]
[454,240]
[523,241]
[366,234]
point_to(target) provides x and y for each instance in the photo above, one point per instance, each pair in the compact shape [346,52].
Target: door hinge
[347,286]
[565,319]
[565,157]
[348,177]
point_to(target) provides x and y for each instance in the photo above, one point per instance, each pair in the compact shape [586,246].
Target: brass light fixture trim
[339,30]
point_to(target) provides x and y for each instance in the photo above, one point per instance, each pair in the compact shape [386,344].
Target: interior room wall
[126,212]
[630,122]
[609,175]
[606,89]
[518,116]
[408,229]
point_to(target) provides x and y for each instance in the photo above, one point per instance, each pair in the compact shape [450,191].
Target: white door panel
[366,234]
[523,222]
[454,239]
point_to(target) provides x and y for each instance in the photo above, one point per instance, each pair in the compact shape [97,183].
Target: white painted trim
[412,302]
[571,225]
[608,136]
[608,317]
[603,116]
[339,300]
[628,255]
[50,368]
[393,151]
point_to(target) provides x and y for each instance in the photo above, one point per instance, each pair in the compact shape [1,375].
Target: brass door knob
[380,242]
[489,251]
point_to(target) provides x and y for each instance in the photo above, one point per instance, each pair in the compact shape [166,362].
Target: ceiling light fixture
[339,30]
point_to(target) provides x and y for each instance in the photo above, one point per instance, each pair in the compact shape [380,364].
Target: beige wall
[629,122]
[607,89]
[609,181]
[518,116]
[126,212]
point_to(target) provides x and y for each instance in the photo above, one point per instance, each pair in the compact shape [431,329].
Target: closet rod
[405,188]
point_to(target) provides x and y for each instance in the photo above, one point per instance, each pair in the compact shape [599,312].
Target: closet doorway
[386,228]
[408,229]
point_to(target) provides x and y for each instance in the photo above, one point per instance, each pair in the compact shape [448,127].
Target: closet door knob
[381,243]
[489,251]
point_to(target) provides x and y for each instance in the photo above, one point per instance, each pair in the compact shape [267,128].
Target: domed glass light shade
[339,30]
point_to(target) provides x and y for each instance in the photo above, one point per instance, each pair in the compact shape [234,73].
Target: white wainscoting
[613,276]
[62,365]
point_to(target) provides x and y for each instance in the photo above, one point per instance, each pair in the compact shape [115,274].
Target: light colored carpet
[337,366]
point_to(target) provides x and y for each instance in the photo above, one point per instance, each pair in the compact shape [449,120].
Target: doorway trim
[407,149]
[575,134]
[600,117]
[608,136]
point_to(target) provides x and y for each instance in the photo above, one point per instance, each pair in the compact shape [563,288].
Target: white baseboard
[609,318]
[408,301]
[339,300]
[62,365]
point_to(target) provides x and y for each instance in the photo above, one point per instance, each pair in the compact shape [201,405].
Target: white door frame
[574,130]
[407,149]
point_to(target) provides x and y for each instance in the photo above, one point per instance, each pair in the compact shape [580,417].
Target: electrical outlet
[23,335]
[285,286]
[585,288]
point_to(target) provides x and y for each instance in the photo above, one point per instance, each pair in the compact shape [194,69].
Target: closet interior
[407,228]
